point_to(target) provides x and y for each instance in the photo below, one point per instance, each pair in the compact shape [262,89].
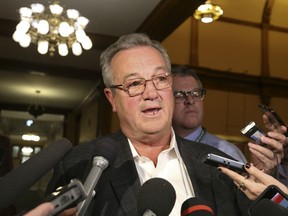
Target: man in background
[188,112]
[187,122]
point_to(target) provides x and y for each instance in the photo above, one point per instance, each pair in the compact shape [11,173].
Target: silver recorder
[67,196]
[217,160]
[253,132]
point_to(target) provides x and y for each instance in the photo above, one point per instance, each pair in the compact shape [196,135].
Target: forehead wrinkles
[124,69]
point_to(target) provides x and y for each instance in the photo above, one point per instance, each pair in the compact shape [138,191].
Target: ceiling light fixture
[208,12]
[52,27]
[36,109]
[31,137]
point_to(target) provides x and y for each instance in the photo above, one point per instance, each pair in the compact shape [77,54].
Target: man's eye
[196,94]
[178,95]
[162,78]
[134,83]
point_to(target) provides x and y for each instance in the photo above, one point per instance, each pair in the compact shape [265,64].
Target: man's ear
[110,96]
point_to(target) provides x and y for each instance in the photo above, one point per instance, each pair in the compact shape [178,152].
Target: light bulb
[80,35]
[25,12]
[76,49]
[207,18]
[83,21]
[72,14]
[87,43]
[23,26]
[25,40]
[63,49]
[43,27]
[17,35]
[43,47]
[56,9]
[37,8]
[64,29]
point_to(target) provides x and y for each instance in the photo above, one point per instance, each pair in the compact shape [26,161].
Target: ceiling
[66,83]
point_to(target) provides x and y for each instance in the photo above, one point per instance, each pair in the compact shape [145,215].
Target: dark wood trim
[167,16]
[243,83]
[21,66]
[252,24]
[239,22]
[266,16]
[194,51]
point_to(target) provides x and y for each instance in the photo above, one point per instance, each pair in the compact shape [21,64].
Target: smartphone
[274,194]
[67,196]
[274,118]
[253,132]
[217,160]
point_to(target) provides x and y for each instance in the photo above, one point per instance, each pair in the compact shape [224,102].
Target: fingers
[241,186]
[267,123]
[247,185]
[260,175]
[69,212]
[264,158]
[41,210]
[279,137]
[275,146]
[264,178]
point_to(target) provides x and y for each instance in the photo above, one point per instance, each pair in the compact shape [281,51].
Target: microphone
[106,150]
[156,198]
[28,173]
[195,206]
[266,207]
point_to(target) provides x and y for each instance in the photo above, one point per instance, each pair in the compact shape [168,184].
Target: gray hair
[127,42]
[183,71]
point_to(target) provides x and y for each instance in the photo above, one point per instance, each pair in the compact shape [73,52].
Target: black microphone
[266,207]
[156,197]
[195,206]
[28,173]
[106,150]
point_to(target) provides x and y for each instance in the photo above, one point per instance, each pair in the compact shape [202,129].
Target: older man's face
[150,112]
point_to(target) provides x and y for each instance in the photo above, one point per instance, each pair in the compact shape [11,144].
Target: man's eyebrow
[136,74]
[161,68]
[131,75]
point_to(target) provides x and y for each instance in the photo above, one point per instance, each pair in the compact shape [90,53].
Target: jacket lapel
[125,179]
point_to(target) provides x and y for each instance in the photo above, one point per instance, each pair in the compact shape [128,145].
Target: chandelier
[208,12]
[51,28]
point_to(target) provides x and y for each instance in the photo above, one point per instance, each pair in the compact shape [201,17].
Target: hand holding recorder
[217,160]
[267,148]
[272,120]
[257,182]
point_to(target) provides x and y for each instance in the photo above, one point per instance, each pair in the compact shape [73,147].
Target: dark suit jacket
[118,187]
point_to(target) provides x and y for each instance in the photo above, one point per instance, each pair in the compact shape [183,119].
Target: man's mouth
[151,111]
[190,112]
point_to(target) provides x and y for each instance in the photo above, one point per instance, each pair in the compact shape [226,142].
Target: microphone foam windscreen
[28,173]
[195,207]
[157,195]
[266,207]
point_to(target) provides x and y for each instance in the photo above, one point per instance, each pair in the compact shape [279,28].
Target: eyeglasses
[134,87]
[197,94]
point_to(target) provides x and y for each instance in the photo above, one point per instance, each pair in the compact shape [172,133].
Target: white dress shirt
[170,167]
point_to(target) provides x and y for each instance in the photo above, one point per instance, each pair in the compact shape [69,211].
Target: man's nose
[189,100]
